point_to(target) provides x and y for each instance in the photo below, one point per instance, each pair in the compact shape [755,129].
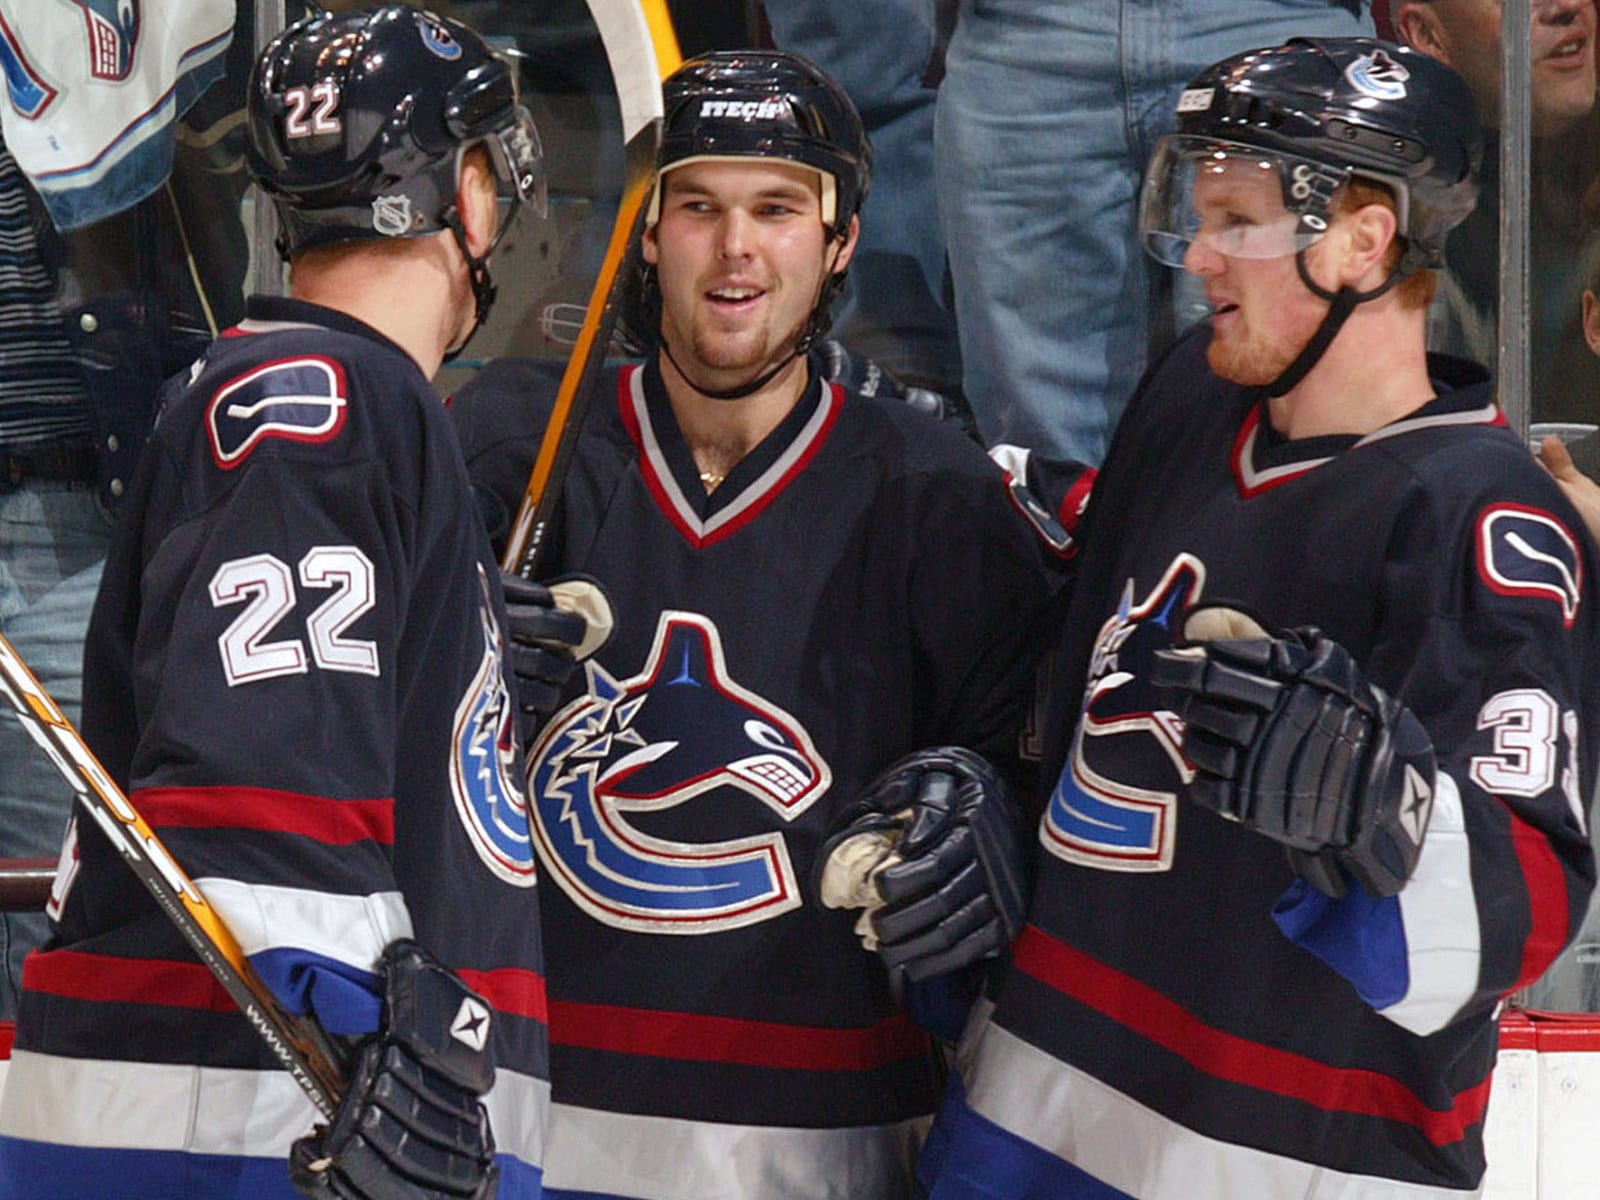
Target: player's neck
[721,432]
[1372,374]
[405,297]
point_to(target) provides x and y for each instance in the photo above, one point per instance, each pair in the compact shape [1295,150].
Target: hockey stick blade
[642,50]
[296,1042]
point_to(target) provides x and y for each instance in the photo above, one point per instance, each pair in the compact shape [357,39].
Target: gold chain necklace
[710,480]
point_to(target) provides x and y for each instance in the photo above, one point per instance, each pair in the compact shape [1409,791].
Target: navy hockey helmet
[767,104]
[358,123]
[1325,111]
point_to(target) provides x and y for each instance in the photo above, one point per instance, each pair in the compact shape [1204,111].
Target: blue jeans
[893,309]
[53,542]
[1048,112]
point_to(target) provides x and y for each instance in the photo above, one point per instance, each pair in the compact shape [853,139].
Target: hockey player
[1322,731]
[810,586]
[296,666]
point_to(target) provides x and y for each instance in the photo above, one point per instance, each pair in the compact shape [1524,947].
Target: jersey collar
[1263,460]
[673,479]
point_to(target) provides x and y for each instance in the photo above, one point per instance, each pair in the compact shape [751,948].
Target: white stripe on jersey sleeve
[1439,914]
[1075,1117]
[347,929]
[667,1158]
[100,1104]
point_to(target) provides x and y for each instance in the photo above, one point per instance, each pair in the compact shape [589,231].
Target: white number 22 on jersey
[265,585]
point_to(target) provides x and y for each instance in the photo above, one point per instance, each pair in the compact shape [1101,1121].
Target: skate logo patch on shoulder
[1526,551]
[296,399]
[612,777]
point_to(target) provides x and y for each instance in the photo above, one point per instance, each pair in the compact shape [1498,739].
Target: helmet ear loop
[483,287]
[821,319]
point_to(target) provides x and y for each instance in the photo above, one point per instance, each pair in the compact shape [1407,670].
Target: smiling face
[740,253]
[1466,35]
[1262,314]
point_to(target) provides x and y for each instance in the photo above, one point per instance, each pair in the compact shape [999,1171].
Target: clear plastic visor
[1240,201]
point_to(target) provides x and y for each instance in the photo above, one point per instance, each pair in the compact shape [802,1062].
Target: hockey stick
[642,50]
[297,1042]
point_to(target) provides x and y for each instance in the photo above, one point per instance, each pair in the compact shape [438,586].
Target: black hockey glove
[552,628]
[410,1127]
[856,373]
[1287,736]
[933,851]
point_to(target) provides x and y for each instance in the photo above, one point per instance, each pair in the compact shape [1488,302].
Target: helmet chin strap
[483,287]
[1341,304]
[816,325]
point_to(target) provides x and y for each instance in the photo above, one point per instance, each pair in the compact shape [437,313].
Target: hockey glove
[933,851]
[1286,736]
[862,375]
[411,1126]
[552,628]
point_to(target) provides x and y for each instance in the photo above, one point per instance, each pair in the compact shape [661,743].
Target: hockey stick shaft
[631,47]
[297,1042]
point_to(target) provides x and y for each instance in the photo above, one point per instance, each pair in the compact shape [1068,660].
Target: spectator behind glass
[1466,35]
[1046,116]
[893,309]
[94,321]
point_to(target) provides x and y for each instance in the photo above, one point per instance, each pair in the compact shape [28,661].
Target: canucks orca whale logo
[680,728]
[113,35]
[1115,806]
[483,761]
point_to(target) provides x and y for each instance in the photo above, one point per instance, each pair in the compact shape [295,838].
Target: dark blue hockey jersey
[295,668]
[1183,1019]
[863,584]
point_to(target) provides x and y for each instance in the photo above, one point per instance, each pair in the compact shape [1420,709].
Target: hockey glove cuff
[410,1126]
[1286,735]
[552,629]
[934,853]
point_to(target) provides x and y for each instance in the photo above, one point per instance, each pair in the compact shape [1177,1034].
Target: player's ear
[1591,320]
[475,200]
[847,245]
[1369,232]
[1418,27]
[649,248]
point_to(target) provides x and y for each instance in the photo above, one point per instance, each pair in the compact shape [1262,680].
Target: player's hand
[1582,491]
[411,1126]
[933,851]
[552,628]
[1286,736]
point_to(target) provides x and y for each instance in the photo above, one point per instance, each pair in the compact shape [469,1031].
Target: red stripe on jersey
[334,822]
[511,990]
[1146,1012]
[106,979]
[694,1037]
[1547,901]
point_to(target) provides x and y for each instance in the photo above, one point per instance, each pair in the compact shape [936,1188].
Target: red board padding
[8,1034]
[1550,1032]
